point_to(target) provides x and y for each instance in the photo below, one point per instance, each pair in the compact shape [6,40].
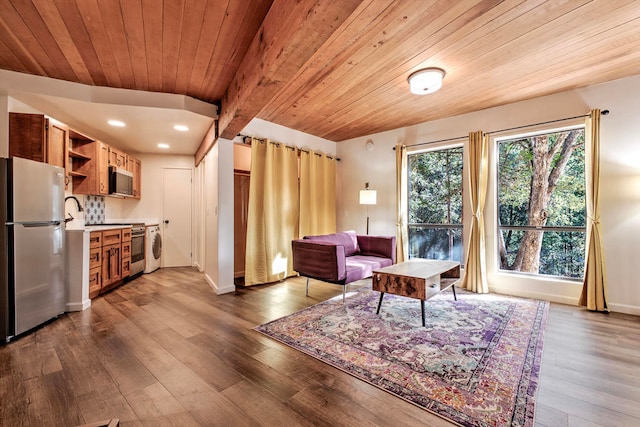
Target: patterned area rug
[476,362]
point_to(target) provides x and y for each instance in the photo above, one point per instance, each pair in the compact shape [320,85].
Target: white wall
[620,182]
[225,216]
[198,218]
[217,216]
[209,226]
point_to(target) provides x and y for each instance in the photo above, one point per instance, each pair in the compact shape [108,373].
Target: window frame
[498,228]
[461,226]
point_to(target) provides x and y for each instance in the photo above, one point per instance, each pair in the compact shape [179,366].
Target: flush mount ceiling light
[181,128]
[163,145]
[427,80]
[116,123]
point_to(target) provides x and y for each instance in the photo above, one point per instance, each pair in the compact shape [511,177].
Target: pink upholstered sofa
[342,258]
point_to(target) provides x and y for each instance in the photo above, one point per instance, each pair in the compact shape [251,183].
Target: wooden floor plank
[127,372]
[205,364]
[51,401]
[38,356]
[253,370]
[164,349]
[154,403]
[14,406]
[263,406]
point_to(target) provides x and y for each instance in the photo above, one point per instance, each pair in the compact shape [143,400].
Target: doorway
[241,209]
[177,217]
[241,179]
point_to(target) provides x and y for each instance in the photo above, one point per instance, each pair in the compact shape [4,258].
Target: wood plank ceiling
[335,69]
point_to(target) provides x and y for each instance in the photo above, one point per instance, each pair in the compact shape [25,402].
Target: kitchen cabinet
[57,135]
[91,163]
[125,252]
[117,158]
[111,266]
[95,263]
[109,259]
[37,137]
[135,167]
[89,169]
[86,161]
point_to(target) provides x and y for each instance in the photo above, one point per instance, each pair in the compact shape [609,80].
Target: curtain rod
[604,113]
[287,146]
[435,142]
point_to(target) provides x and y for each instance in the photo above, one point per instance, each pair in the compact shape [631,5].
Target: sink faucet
[70,218]
[77,202]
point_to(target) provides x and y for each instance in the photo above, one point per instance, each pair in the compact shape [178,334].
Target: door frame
[191,216]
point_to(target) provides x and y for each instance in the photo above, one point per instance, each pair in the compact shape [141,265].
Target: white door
[176,221]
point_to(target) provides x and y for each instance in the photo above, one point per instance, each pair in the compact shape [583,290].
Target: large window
[435,204]
[541,203]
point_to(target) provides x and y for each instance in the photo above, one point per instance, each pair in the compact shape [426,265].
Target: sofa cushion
[348,239]
[361,266]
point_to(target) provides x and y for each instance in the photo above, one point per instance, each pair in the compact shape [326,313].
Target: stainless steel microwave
[120,182]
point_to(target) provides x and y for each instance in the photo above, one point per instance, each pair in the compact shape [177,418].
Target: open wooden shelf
[74,173]
[78,155]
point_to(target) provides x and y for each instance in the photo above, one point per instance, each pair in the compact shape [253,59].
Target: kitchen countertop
[98,227]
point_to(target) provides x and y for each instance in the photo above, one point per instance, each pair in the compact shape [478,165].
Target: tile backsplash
[94,208]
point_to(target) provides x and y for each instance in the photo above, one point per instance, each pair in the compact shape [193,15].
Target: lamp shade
[426,81]
[367,197]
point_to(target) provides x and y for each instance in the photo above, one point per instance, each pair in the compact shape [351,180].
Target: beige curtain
[273,212]
[317,194]
[475,274]
[594,289]
[402,241]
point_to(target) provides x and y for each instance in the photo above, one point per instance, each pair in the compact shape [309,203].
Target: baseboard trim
[562,299]
[217,289]
[624,308]
[78,306]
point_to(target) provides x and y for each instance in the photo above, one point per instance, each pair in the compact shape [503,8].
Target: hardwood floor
[165,350]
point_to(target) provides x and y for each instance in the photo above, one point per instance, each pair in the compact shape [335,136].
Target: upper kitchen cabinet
[135,167]
[36,137]
[117,158]
[89,161]
[85,160]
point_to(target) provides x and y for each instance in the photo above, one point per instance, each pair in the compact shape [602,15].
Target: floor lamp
[367,197]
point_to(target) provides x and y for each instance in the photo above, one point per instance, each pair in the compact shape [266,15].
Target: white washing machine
[153,248]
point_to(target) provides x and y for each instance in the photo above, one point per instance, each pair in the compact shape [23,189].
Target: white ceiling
[149,117]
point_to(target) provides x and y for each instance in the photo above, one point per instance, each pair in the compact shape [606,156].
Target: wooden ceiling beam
[289,37]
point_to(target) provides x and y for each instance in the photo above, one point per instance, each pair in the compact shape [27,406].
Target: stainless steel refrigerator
[32,287]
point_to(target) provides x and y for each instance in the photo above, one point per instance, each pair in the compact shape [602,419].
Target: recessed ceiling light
[181,128]
[116,123]
[163,145]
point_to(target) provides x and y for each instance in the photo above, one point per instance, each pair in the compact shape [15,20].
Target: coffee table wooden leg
[379,302]
[453,288]
[422,307]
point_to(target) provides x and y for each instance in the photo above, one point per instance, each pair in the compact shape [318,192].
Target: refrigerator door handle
[35,224]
